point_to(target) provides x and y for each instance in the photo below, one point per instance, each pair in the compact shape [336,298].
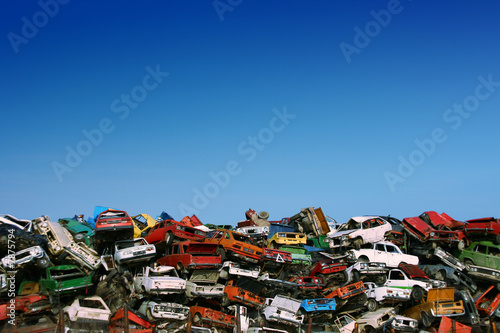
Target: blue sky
[215,107]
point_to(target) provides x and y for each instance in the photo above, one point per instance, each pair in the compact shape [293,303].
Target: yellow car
[142,223]
[286,238]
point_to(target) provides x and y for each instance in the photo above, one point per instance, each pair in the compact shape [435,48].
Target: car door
[381,254]
[479,255]
[397,279]
[493,257]
[393,255]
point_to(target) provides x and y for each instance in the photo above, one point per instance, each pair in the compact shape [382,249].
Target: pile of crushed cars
[304,273]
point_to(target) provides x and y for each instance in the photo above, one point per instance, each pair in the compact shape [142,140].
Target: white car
[404,324]
[89,311]
[34,254]
[360,230]
[157,310]
[136,251]
[282,309]
[385,252]
[203,283]
[380,295]
[161,280]
[375,321]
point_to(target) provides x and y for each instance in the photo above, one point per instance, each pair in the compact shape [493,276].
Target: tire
[43,263]
[322,277]
[225,300]
[417,293]
[426,320]
[468,263]
[79,238]
[461,245]
[357,243]
[497,239]
[273,245]
[369,329]
[380,279]
[169,238]
[149,315]
[356,276]
[222,253]
[371,305]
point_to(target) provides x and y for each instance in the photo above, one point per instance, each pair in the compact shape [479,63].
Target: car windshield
[67,274]
[92,303]
[170,272]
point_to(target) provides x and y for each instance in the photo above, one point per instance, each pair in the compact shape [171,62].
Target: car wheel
[273,245]
[222,253]
[426,320]
[43,263]
[369,329]
[197,319]
[169,238]
[79,238]
[468,263]
[357,243]
[150,315]
[380,279]
[225,300]
[371,305]
[461,245]
[417,293]
[356,277]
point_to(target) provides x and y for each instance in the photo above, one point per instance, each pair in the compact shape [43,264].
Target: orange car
[212,317]
[234,244]
[243,291]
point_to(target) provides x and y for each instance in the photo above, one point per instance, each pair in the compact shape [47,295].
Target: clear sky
[215,107]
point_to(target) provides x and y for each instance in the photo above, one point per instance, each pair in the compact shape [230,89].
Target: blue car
[317,304]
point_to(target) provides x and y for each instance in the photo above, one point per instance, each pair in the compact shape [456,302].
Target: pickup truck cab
[384,295]
[412,278]
[187,256]
[385,252]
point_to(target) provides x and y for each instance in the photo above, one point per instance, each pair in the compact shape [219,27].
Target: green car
[320,242]
[64,279]
[81,231]
[483,253]
[300,256]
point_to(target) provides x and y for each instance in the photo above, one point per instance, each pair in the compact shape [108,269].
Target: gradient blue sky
[229,68]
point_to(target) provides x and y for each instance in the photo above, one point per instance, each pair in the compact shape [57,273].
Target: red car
[307,282]
[112,225]
[488,303]
[429,228]
[486,227]
[244,291]
[28,305]
[188,255]
[208,317]
[168,230]
[325,269]
[136,323]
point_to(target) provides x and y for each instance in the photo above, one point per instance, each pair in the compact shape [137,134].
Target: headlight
[127,253]
[433,234]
